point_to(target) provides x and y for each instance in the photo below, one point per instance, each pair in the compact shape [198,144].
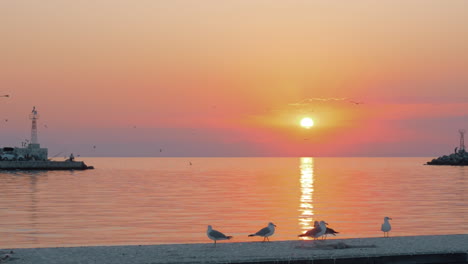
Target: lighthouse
[33,151]
[34,116]
[32,157]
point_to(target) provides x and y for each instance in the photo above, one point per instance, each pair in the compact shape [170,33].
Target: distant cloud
[422,100]
[308,101]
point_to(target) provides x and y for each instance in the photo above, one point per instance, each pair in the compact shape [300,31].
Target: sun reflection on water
[307,189]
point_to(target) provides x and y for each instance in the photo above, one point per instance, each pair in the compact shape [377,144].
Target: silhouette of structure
[462,132]
[34,116]
[458,158]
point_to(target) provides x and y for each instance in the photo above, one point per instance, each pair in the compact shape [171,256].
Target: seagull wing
[331,231]
[311,232]
[263,232]
[386,227]
[218,235]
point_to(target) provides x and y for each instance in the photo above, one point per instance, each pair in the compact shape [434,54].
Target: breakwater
[455,159]
[44,165]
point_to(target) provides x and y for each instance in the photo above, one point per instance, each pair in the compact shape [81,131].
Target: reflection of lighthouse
[307,189]
[34,116]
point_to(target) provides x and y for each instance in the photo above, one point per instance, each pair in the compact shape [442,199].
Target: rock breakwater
[459,158]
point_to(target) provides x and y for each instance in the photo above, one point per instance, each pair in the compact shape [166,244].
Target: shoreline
[410,249]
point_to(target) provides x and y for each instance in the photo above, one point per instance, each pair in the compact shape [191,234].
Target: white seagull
[216,235]
[265,232]
[323,229]
[386,227]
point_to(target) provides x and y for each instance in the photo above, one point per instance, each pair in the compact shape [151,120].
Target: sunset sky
[234,78]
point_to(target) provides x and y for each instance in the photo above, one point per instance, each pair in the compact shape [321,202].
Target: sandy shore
[231,252]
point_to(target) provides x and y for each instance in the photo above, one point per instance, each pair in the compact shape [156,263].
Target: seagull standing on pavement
[312,232]
[319,230]
[216,235]
[265,232]
[323,229]
[386,227]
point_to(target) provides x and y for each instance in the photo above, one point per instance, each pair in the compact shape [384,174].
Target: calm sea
[172,200]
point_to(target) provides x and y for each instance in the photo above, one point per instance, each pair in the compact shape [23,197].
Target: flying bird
[386,227]
[216,235]
[265,232]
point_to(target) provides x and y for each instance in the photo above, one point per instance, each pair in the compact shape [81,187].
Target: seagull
[323,227]
[319,230]
[265,232]
[386,227]
[216,235]
[312,232]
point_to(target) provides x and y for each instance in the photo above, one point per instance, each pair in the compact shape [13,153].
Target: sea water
[136,201]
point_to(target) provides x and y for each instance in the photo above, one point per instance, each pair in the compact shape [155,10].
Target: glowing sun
[307,122]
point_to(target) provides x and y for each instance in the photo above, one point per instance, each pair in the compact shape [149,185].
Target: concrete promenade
[415,249]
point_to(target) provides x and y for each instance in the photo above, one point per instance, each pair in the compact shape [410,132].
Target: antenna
[34,116]
[462,139]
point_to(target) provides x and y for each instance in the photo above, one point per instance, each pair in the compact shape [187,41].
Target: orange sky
[233,78]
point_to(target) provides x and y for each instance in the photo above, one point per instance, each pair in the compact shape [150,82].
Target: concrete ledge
[450,258]
[400,250]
